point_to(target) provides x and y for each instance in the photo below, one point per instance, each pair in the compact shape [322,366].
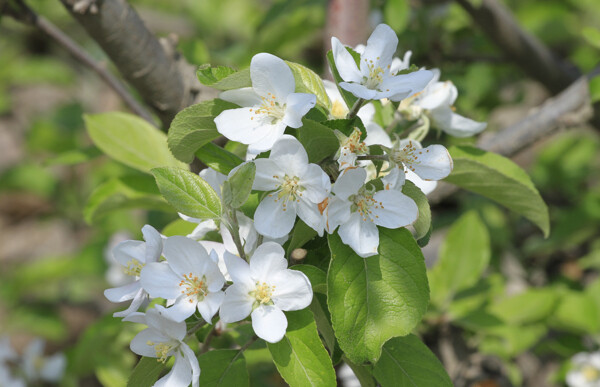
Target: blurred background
[55,238]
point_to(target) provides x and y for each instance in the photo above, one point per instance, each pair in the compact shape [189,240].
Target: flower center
[353,143]
[375,75]
[270,107]
[408,155]
[263,293]
[192,286]
[133,268]
[590,373]
[290,189]
[364,202]
[162,350]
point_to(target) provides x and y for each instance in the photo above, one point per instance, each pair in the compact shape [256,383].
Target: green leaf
[188,193]
[374,299]
[74,156]
[318,140]
[146,372]
[218,158]
[423,223]
[223,367]
[501,180]
[463,257]
[130,140]
[317,277]
[348,97]
[234,81]
[300,356]
[307,81]
[302,234]
[531,306]
[347,125]
[576,312]
[208,75]
[194,127]
[396,13]
[594,86]
[178,227]
[236,189]
[407,362]
[123,193]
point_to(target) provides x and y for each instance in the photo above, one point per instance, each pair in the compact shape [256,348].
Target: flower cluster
[585,371]
[32,367]
[243,272]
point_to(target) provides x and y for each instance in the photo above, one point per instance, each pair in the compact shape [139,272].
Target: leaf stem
[196,327]
[206,345]
[357,105]
[373,157]
[244,347]
[234,228]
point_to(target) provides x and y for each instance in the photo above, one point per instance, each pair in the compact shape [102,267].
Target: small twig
[244,347]
[235,234]
[373,157]
[206,345]
[357,105]
[196,327]
[27,16]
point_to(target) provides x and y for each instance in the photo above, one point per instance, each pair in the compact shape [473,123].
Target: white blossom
[38,367]
[264,289]
[585,370]
[268,107]
[133,256]
[374,79]
[189,276]
[296,186]
[162,339]
[358,209]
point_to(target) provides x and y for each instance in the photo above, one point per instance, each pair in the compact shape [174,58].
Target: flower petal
[140,297]
[244,125]
[293,290]
[191,358]
[268,175]
[366,113]
[426,186]
[396,209]
[210,305]
[289,146]
[269,323]
[203,228]
[267,260]
[237,304]
[139,344]
[213,178]
[53,368]
[274,216]
[359,90]
[271,74]
[344,62]
[154,243]
[186,256]
[460,126]
[180,374]
[316,184]
[395,179]
[238,269]
[349,182]
[377,135]
[405,85]
[310,214]
[183,308]
[244,97]
[432,163]
[159,280]
[436,95]
[125,251]
[297,105]
[263,144]
[337,212]
[123,293]
[156,319]
[362,236]
[381,47]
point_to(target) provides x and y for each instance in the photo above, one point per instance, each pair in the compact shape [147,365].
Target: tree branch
[162,77]
[571,108]
[27,16]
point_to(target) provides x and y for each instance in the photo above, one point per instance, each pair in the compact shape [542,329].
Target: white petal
[156,319]
[271,74]
[333,92]
[125,251]
[377,135]
[237,303]
[463,127]
[123,293]
[140,297]
[380,49]
[217,252]
[338,213]
[359,90]
[203,228]
[366,113]
[398,209]
[136,317]
[274,217]
[244,125]
[154,243]
[180,374]
[210,305]
[297,105]
[395,179]
[436,95]
[269,175]
[269,323]
[263,144]
[406,85]
[182,309]
[191,358]
[213,178]
[344,62]
[292,290]
[238,269]
[362,236]
[159,280]
[139,342]
[426,186]
[316,184]
[311,215]
[54,368]
[185,255]
[245,97]
[267,260]
[349,182]
[432,163]
[289,147]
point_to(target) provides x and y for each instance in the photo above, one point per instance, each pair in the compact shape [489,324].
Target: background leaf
[146,372]
[237,187]
[374,299]
[423,223]
[218,158]
[223,367]
[130,140]
[307,81]
[318,140]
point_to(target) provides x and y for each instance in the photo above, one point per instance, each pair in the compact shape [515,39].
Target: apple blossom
[133,256]
[162,339]
[374,79]
[264,289]
[267,108]
[585,371]
[297,189]
[38,367]
[190,277]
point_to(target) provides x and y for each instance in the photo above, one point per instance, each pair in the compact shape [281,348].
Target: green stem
[206,345]
[196,327]
[234,228]
[373,157]
[357,105]
[245,347]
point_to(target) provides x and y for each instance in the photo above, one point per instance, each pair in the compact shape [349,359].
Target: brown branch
[27,16]
[521,47]
[162,77]
[571,108]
